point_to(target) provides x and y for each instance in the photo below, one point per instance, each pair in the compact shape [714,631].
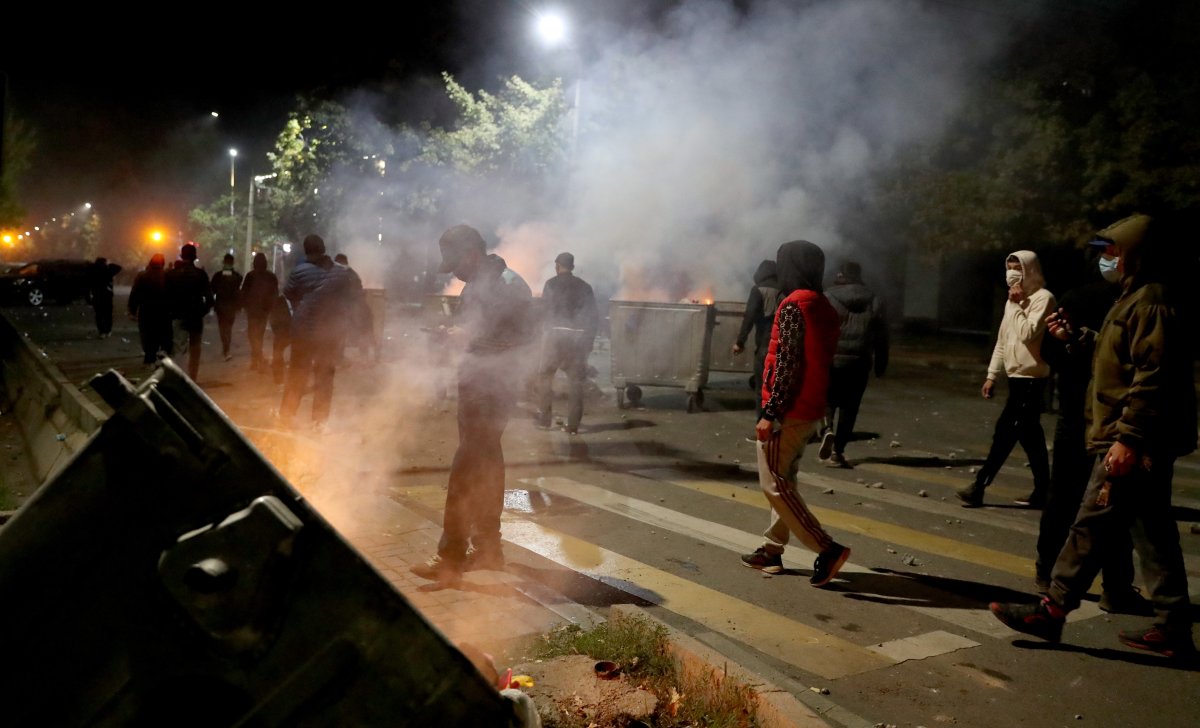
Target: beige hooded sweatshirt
[1018,351]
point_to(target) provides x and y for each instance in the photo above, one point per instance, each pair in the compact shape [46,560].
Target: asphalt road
[652,505]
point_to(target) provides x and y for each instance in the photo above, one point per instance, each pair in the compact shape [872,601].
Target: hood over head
[260,262]
[801,266]
[158,260]
[767,275]
[1143,248]
[1032,279]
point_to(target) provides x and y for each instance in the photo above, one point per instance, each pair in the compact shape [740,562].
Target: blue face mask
[1108,269]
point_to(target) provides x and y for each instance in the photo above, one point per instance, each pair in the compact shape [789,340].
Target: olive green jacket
[1142,392]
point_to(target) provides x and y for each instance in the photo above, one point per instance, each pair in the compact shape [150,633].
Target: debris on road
[820,691]
[1195,528]
[894,443]
[891,550]
[878,485]
[923,493]
[828,491]
[910,560]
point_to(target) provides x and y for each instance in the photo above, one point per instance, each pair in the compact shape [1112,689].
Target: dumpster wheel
[634,393]
[695,401]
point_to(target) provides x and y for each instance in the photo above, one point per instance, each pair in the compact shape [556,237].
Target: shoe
[1041,585]
[320,428]
[1033,500]
[1126,601]
[971,496]
[1034,619]
[836,460]
[571,430]
[229,357]
[438,569]
[541,421]
[1157,639]
[483,560]
[763,561]
[826,447]
[827,564]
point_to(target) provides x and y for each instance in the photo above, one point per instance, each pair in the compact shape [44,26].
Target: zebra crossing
[934,628]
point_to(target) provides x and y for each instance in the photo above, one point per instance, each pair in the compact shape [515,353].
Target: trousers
[778,464]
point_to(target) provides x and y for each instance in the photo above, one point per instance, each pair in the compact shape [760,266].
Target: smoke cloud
[708,140]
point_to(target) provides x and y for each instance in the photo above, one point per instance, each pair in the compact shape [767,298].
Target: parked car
[41,281]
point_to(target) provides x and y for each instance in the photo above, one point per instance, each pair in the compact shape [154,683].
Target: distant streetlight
[551,28]
[232,177]
[214,114]
[87,205]
[256,182]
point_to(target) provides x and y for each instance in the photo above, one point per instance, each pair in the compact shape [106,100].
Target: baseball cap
[1123,232]
[455,243]
[566,260]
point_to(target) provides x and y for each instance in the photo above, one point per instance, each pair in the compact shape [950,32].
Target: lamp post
[551,27]
[255,181]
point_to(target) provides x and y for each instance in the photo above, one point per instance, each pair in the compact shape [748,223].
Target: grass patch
[642,648]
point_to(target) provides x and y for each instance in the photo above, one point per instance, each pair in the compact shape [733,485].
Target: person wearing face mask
[1141,418]
[1018,355]
[1072,330]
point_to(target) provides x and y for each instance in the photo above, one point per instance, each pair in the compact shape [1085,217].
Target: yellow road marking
[798,644]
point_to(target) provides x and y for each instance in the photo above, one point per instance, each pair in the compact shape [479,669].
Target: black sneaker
[1034,619]
[1126,601]
[483,560]
[971,496]
[438,569]
[763,561]
[1169,643]
[828,563]
[826,447]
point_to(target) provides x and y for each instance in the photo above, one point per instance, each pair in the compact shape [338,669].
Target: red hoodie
[804,339]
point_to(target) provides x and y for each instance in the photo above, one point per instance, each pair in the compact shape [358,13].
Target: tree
[19,144]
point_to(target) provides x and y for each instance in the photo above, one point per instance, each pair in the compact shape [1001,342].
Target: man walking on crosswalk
[795,377]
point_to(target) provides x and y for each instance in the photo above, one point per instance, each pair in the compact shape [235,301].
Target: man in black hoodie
[495,319]
[570,323]
[759,314]
[191,299]
[227,294]
[864,336]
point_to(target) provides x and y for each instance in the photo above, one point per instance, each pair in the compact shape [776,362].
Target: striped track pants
[778,459]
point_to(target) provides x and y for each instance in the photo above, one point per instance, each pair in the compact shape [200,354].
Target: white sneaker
[826,447]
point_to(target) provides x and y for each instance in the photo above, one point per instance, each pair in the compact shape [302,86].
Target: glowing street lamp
[551,27]
[232,173]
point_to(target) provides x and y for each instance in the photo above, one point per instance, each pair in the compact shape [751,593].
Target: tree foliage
[20,141]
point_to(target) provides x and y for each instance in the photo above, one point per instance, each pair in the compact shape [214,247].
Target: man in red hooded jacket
[795,377]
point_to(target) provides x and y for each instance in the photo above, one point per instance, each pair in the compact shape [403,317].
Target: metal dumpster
[660,345]
[169,575]
[727,319]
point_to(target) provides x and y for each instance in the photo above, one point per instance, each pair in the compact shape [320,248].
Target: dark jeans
[102,305]
[281,338]
[475,494]
[256,328]
[319,359]
[225,319]
[190,335]
[1020,421]
[156,336]
[846,387]
[1069,473]
[562,349]
[1141,501]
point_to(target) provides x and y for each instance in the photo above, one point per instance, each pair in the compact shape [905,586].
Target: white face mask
[1108,269]
[1013,277]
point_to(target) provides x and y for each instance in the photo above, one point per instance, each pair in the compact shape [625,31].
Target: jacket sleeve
[1144,408]
[754,304]
[789,362]
[1030,319]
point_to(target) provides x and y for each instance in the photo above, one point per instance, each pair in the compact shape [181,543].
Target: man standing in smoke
[494,318]
[570,322]
[758,317]
[320,295]
[795,384]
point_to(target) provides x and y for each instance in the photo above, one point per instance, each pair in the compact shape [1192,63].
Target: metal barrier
[169,575]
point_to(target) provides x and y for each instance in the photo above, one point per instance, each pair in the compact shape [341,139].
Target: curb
[775,707]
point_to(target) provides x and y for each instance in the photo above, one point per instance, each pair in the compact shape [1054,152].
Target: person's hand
[1119,460]
[988,386]
[1016,294]
[1059,325]
[737,348]
[762,431]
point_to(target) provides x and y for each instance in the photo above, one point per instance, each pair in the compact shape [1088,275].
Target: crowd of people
[1118,344]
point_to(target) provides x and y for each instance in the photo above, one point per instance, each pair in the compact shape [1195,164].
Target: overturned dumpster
[660,345]
[169,576]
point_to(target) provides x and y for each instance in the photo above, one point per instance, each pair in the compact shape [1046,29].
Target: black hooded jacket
[801,266]
[760,307]
[864,326]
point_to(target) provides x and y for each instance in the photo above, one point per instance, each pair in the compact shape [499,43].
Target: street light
[551,28]
[232,172]
[255,181]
